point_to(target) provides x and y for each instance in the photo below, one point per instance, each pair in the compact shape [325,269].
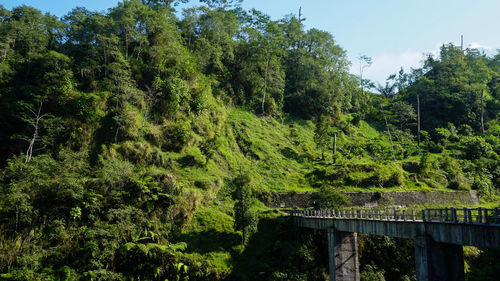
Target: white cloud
[476,45]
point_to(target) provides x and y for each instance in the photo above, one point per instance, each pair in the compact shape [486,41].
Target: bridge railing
[446,215]
[464,215]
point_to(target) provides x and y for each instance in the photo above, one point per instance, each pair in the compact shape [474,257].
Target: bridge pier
[438,261]
[343,255]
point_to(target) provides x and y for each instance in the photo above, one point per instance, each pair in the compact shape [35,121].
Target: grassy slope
[262,147]
[276,156]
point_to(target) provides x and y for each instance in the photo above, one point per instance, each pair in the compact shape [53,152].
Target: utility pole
[461,42]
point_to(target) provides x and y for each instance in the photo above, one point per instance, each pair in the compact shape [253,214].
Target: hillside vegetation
[143,143]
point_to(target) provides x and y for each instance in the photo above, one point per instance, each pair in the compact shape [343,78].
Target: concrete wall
[406,198]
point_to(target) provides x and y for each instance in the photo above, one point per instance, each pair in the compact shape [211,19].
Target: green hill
[139,145]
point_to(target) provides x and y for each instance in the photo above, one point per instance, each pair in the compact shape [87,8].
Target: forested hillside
[143,143]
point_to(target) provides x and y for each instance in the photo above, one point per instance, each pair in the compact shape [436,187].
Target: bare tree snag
[35,123]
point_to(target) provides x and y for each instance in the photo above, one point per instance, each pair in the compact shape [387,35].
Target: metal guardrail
[446,215]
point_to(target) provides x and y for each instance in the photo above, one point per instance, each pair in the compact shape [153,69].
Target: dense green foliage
[125,135]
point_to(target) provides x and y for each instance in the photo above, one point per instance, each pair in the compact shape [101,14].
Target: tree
[450,87]
[321,136]
[245,219]
[403,112]
[35,121]
[259,73]
[388,90]
[222,3]
[337,125]
[364,62]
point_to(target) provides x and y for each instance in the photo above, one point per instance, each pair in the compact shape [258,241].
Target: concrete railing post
[465,215]
[479,215]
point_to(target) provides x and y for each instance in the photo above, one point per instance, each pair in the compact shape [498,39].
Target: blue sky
[393,32]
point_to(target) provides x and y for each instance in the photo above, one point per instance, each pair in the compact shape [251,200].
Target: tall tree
[321,134]
[244,217]
[364,63]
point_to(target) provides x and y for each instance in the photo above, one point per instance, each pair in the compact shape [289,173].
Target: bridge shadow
[395,256]
[278,251]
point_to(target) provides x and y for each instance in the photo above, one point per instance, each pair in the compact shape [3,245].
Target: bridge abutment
[438,261]
[343,255]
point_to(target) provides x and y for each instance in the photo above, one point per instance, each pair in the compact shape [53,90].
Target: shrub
[459,182]
[372,273]
[142,153]
[176,135]
[411,166]
[475,147]
[387,176]
[435,147]
[465,130]
[356,119]
[442,135]
[328,198]
[396,179]
[193,157]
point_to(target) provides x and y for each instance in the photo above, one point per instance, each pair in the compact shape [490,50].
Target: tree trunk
[334,143]
[116,133]
[265,84]
[418,119]
[36,126]
[482,112]
[390,138]
[334,147]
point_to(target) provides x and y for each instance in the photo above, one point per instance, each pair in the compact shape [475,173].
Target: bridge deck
[474,227]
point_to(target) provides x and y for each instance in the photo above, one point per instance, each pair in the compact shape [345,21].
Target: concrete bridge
[439,235]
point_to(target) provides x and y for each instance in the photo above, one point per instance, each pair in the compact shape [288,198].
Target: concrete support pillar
[343,256]
[438,261]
